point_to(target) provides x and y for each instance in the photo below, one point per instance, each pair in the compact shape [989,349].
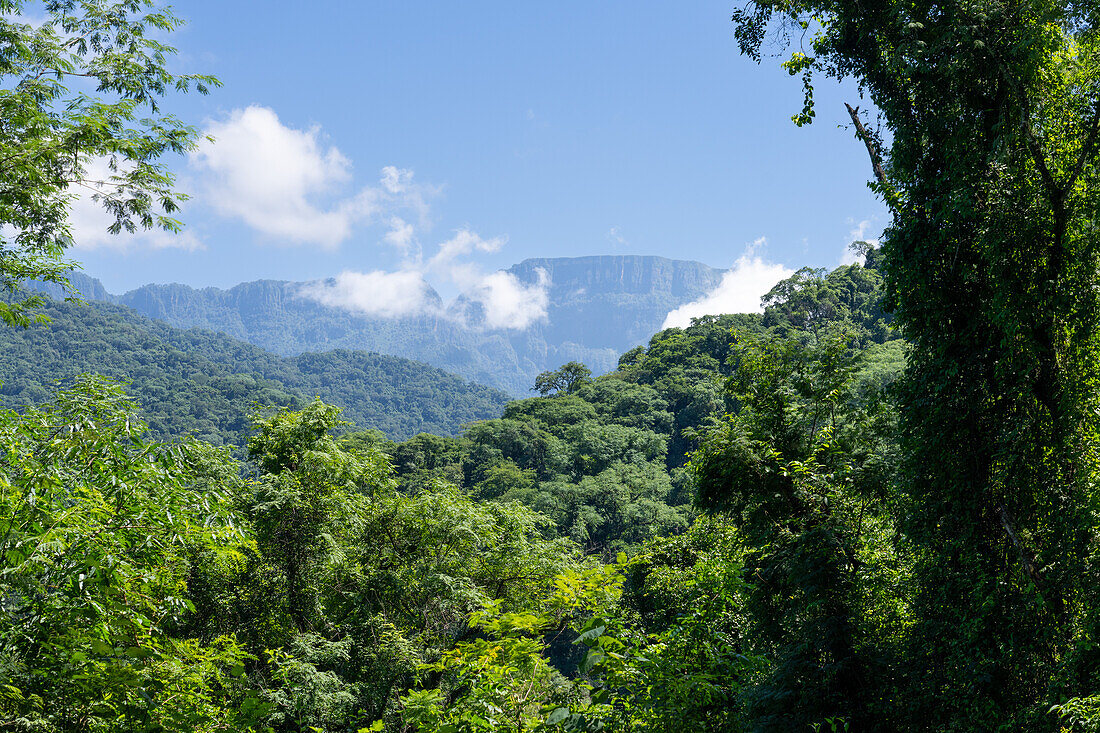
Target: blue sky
[359,137]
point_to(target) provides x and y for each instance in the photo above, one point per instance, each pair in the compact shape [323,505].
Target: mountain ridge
[598,307]
[195,380]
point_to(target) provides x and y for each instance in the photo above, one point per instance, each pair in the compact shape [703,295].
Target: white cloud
[859,231]
[850,257]
[89,222]
[504,302]
[265,174]
[377,293]
[616,237]
[402,237]
[463,243]
[509,304]
[284,182]
[739,292]
[398,184]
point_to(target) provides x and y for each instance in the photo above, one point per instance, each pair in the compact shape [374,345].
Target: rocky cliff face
[634,274]
[614,301]
[598,307]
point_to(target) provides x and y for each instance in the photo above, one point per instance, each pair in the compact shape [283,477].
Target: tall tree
[799,470]
[80,90]
[568,378]
[96,526]
[988,161]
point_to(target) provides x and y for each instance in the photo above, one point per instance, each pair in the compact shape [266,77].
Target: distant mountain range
[598,307]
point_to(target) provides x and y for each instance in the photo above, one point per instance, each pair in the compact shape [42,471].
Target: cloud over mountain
[503,302]
[506,303]
[376,293]
[739,292]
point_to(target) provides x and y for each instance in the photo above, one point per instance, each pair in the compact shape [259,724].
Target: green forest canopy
[431,582]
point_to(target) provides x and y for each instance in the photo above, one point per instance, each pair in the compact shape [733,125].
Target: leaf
[593,658]
[557,716]
[593,633]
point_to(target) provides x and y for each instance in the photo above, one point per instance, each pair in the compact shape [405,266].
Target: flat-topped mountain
[597,307]
[614,301]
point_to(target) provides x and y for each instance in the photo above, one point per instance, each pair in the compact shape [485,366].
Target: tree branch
[1025,555]
[1054,191]
[872,148]
[1086,148]
[1034,145]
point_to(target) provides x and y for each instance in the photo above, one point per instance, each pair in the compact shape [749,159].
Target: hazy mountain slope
[598,307]
[204,382]
[272,315]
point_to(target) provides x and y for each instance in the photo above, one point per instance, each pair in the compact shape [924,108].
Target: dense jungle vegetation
[533,569]
[873,507]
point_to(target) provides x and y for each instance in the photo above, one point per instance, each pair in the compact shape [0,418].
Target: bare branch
[1025,555]
[869,141]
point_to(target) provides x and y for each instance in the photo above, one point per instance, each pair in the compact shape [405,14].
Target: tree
[811,299]
[96,525]
[310,491]
[53,133]
[798,469]
[989,164]
[568,378]
[673,655]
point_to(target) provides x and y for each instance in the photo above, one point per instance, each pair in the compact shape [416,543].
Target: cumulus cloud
[503,302]
[463,243]
[377,293]
[89,222]
[402,237]
[509,304]
[290,185]
[286,183]
[739,292]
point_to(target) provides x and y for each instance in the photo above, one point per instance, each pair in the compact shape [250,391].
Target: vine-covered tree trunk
[991,109]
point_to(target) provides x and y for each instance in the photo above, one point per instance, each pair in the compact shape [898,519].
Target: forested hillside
[515,574]
[606,459]
[193,382]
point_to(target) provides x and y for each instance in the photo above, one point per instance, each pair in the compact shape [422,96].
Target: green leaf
[557,716]
[591,634]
